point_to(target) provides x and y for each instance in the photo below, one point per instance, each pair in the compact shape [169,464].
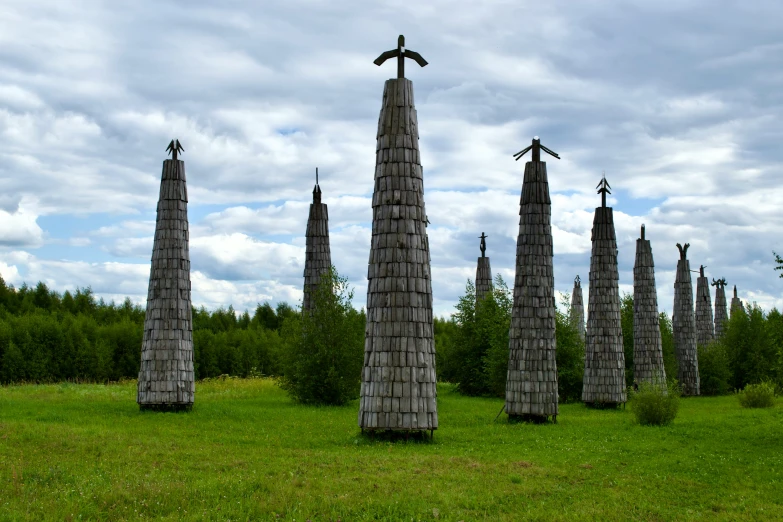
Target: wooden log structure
[577,312]
[721,314]
[483,273]
[398,378]
[736,304]
[647,346]
[705,326]
[604,377]
[684,327]
[166,377]
[531,382]
[318,257]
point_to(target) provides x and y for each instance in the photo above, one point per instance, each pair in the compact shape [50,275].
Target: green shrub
[760,395]
[570,355]
[714,369]
[655,404]
[325,353]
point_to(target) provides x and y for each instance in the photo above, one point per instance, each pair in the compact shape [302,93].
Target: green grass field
[246,452]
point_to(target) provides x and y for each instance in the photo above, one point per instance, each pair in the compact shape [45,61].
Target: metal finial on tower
[577,281]
[536,147]
[316,189]
[400,53]
[642,230]
[604,189]
[483,245]
[719,283]
[173,148]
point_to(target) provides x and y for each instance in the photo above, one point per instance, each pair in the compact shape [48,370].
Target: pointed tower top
[735,291]
[483,245]
[536,147]
[683,250]
[316,189]
[604,189]
[577,282]
[173,148]
[642,230]
[400,53]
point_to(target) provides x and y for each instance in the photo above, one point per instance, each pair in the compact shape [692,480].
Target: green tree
[324,359]
[570,354]
[670,364]
[493,320]
[626,323]
[714,371]
[445,331]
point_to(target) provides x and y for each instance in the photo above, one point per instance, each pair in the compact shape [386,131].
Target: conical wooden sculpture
[684,327]
[721,315]
[736,303]
[604,377]
[531,384]
[166,379]
[318,257]
[647,347]
[577,315]
[704,324]
[483,272]
[398,380]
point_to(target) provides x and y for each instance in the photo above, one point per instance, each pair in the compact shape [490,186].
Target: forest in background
[46,336]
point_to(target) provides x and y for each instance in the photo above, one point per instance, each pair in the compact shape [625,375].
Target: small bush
[760,395]
[655,404]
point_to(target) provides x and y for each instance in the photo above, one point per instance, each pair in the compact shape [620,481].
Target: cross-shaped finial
[483,246]
[577,281]
[536,147]
[604,189]
[400,53]
[173,148]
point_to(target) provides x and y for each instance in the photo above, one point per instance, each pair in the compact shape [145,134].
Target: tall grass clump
[760,395]
[655,404]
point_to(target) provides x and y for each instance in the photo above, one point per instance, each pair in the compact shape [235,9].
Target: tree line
[46,336]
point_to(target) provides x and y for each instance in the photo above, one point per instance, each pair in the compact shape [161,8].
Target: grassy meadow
[247,452]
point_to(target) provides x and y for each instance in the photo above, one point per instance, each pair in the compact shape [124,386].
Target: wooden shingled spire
[531,383]
[398,379]
[166,377]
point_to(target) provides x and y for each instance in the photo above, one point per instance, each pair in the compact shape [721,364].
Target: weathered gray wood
[604,377]
[531,382]
[166,378]
[483,278]
[647,346]
[704,323]
[577,313]
[684,330]
[318,256]
[736,304]
[721,314]
[398,379]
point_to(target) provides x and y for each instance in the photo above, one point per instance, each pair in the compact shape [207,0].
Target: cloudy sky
[679,101]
